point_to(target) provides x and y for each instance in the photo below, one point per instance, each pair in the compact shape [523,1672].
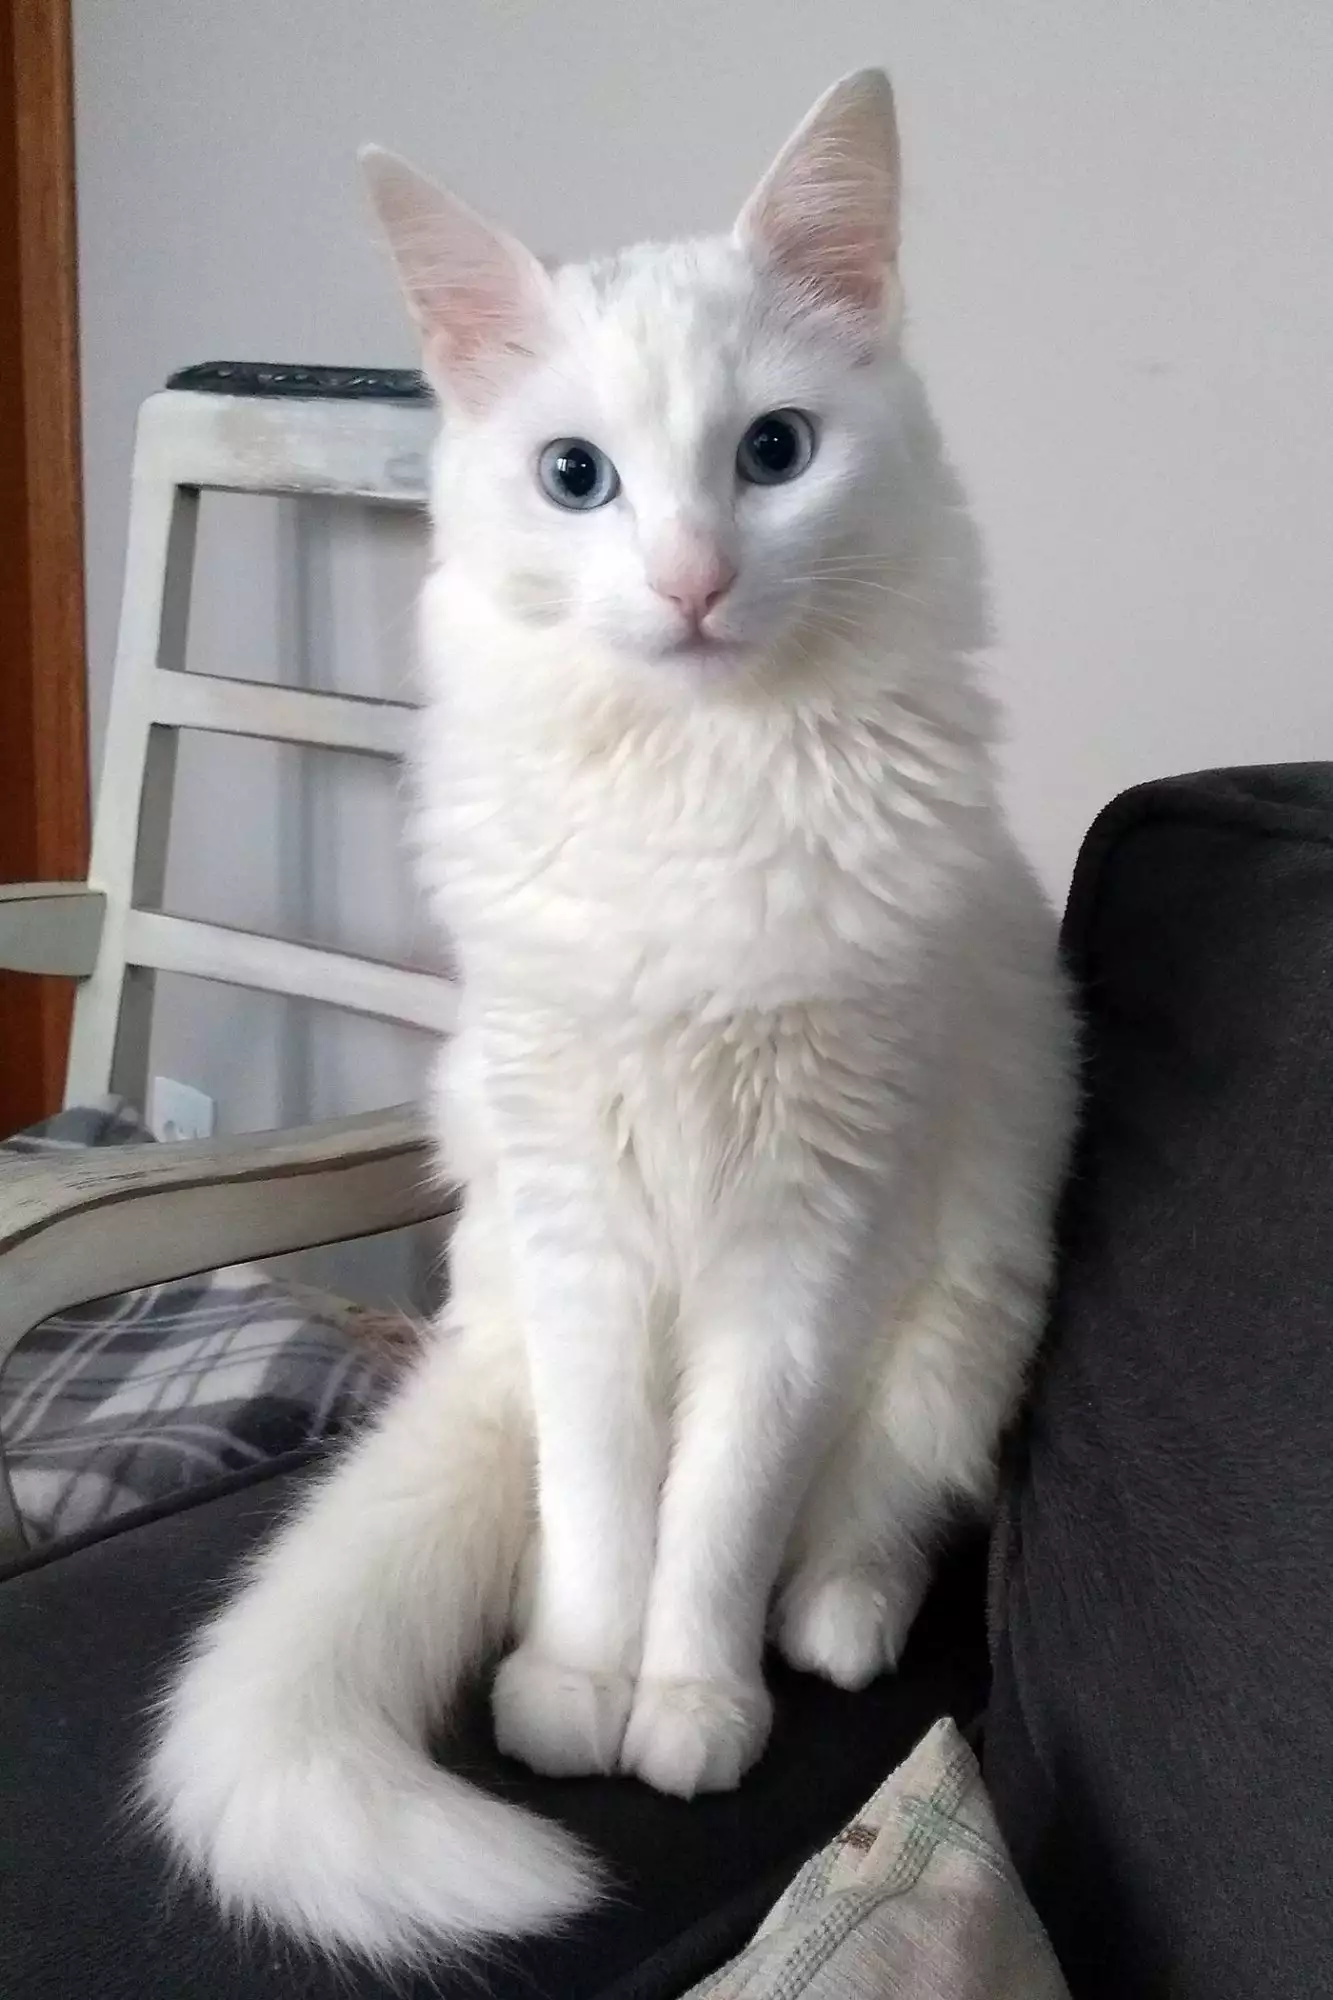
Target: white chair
[91,1225]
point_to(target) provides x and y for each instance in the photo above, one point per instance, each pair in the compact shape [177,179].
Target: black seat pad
[87,1905]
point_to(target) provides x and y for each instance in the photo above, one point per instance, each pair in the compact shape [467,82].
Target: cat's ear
[826,214]
[479,298]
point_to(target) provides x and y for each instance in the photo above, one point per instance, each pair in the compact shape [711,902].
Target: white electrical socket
[179,1111]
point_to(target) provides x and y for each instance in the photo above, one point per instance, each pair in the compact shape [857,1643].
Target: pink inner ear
[479,297]
[843,253]
[826,213]
[478,317]
[479,301]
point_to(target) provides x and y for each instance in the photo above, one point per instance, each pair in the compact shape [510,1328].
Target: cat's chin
[705,659]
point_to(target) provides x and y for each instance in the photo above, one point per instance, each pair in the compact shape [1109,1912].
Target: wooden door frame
[43,674]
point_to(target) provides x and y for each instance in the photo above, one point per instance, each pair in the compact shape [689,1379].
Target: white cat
[762,1087]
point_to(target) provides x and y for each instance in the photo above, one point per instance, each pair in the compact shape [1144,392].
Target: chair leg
[109,1046]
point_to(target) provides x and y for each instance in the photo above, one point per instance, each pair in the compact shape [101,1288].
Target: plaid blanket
[136,1398]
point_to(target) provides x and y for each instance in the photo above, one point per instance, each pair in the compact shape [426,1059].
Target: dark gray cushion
[86,1907]
[1160,1740]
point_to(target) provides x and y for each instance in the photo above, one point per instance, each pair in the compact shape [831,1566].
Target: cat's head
[684,456]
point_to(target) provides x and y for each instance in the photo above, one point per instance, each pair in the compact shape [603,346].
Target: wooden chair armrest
[52,927]
[101,1221]
[95,1223]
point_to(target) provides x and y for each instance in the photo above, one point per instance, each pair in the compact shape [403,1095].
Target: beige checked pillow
[915,1900]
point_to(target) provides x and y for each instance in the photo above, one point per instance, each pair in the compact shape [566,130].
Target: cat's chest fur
[721,867]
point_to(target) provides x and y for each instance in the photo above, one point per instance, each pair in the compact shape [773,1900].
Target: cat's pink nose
[695,584]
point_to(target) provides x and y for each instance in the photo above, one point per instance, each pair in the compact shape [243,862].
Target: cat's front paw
[560,1721]
[695,1736]
[848,1627]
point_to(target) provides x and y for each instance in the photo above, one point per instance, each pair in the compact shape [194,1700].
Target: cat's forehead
[651,285]
[669,325]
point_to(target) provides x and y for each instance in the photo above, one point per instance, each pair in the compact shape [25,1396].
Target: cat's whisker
[860,560]
[849,581]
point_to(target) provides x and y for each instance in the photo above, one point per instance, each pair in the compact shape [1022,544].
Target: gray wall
[1121,273]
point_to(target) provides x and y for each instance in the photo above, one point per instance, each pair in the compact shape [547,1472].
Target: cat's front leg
[767,1339]
[562,1698]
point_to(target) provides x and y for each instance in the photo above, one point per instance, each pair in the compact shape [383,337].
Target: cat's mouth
[704,652]
[695,643]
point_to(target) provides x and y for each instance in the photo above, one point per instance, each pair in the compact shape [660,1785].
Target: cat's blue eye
[576,474]
[776,448]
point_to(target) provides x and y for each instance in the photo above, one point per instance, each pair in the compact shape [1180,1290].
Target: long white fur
[760,1095]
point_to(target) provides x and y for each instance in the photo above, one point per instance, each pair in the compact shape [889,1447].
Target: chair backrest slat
[280,444]
[160,943]
[282,714]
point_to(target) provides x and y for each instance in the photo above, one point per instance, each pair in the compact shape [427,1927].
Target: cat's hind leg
[920,1451]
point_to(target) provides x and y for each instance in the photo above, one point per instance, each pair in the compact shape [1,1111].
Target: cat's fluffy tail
[289,1768]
